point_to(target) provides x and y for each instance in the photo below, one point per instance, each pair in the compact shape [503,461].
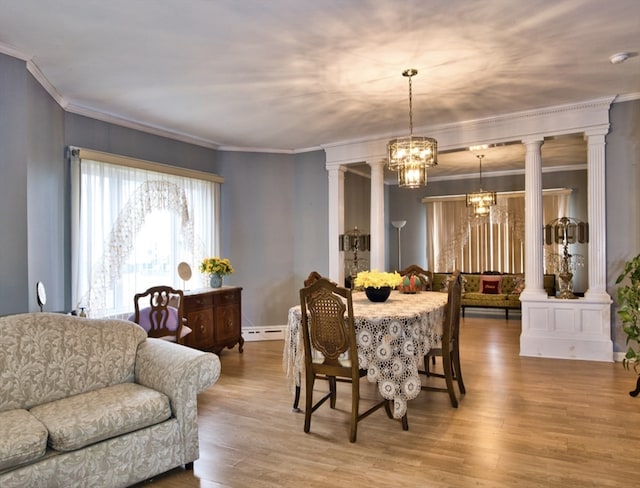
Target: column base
[567,329]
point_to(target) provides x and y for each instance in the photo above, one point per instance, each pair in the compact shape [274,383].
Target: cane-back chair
[328,328]
[449,350]
[311,279]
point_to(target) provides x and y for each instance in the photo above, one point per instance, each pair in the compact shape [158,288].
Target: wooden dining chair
[328,328]
[449,350]
[160,311]
[311,279]
[425,277]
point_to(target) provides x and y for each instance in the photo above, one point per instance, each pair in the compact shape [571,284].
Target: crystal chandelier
[411,156]
[481,201]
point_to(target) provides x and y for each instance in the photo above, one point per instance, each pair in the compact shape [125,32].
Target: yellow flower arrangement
[377,279]
[221,266]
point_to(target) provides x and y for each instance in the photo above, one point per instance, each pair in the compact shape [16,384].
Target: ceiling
[293,75]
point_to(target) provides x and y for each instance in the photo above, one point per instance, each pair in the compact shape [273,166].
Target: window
[458,240]
[132,223]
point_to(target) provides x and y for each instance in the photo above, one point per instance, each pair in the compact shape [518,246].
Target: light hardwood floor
[524,422]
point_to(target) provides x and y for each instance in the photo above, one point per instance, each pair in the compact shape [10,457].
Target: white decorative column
[597,286]
[377,254]
[565,328]
[533,268]
[336,221]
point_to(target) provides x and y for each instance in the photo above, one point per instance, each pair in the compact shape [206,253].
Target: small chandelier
[411,156]
[481,201]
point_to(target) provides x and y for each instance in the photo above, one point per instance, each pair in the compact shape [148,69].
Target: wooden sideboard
[214,315]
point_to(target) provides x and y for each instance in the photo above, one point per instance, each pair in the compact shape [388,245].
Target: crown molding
[510,172]
[44,82]
[628,97]
[13,52]
[141,126]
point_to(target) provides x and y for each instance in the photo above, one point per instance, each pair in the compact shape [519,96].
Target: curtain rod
[105,157]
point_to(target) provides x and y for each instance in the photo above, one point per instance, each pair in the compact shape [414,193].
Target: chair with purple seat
[163,317]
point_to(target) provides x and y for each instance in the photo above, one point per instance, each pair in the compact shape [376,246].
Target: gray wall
[311,222]
[46,237]
[14,127]
[623,198]
[258,235]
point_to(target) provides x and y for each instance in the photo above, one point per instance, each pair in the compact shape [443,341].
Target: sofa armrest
[172,368]
[180,373]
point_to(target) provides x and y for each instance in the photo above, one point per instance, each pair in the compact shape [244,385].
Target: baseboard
[264,333]
[618,356]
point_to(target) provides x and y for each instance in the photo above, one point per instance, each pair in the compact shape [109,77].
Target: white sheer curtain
[131,227]
[458,240]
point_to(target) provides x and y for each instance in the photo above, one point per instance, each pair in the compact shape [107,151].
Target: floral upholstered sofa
[95,403]
[492,290]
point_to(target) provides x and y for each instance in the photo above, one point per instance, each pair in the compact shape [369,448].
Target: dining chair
[311,279]
[163,315]
[328,329]
[425,277]
[449,349]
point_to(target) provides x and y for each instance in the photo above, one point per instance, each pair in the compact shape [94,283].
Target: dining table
[392,339]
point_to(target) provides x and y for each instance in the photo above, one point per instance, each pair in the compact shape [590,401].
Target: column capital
[377,163]
[600,130]
[533,141]
[336,167]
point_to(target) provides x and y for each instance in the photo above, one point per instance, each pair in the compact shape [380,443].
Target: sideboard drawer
[230,296]
[198,302]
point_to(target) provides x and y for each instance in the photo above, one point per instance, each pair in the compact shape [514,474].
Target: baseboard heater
[264,333]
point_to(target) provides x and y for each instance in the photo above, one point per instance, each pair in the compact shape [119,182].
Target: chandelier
[411,156]
[481,201]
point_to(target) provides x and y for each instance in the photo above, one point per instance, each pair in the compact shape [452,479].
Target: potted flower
[216,268]
[629,312]
[377,284]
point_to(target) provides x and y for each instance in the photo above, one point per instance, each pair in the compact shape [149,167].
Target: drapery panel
[131,227]
[456,239]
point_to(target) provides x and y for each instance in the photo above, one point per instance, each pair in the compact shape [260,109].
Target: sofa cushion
[23,438]
[498,299]
[491,287]
[84,419]
[518,285]
[471,283]
[444,284]
[490,284]
[48,356]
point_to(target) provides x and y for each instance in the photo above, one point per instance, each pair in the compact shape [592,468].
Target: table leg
[296,400]
[635,392]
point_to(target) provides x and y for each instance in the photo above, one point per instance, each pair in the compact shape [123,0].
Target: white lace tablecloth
[392,338]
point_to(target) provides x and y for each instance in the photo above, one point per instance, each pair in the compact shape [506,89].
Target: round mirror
[184,271]
[41,295]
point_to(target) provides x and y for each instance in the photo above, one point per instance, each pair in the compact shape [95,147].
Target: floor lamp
[399,224]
